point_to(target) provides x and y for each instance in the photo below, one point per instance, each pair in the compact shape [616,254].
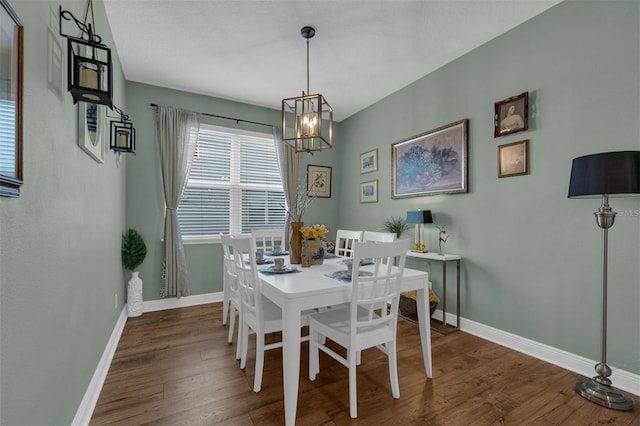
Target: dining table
[298,289]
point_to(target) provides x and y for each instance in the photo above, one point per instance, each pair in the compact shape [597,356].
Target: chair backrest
[244,261]
[230,278]
[268,239]
[345,240]
[378,237]
[377,292]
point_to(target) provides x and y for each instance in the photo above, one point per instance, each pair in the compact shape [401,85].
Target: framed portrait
[513,159]
[91,132]
[369,191]
[511,115]
[431,163]
[11,88]
[369,161]
[319,181]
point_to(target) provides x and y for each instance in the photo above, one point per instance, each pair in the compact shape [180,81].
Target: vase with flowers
[295,211]
[313,244]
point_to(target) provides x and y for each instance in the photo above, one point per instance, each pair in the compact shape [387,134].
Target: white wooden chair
[231,292]
[259,314]
[367,322]
[378,237]
[268,239]
[345,240]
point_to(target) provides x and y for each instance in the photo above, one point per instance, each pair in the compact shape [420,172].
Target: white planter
[134,296]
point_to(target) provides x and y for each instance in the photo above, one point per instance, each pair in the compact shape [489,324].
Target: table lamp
[610,174]
[419,218]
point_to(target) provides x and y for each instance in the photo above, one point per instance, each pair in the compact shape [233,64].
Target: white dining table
[312,288]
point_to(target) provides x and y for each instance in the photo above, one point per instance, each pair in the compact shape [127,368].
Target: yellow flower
[315,232]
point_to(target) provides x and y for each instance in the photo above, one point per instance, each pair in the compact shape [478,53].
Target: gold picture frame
[369,191]
[369,161]
[513,159]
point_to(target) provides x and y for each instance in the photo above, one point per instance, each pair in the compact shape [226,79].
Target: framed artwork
[11,87]
[369,161]
[319,181]
[513,159]
[91,133]
[511,115]
[369,191]
[431,163]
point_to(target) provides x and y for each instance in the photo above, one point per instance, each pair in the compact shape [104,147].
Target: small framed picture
[513,159]
[319,181]
[511,115]
[369,191]
[369,161]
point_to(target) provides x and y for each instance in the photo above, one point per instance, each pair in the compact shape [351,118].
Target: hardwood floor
[175,368]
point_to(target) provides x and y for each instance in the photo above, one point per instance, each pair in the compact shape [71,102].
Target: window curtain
[178,130]
[289,162]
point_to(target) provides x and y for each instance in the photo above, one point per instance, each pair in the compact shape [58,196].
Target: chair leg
[359,357]
[225,306]
[353,387]
[314,358]
[257,379]
[232,323]
[245,345]
[393,369]
[240,341]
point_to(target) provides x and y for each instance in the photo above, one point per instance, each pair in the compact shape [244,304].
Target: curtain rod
[237,120]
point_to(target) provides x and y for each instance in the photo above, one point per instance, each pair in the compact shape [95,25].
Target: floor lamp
[610,174]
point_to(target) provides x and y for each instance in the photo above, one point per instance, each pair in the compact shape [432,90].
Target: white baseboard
[88,403]
[621,379]
[173,302]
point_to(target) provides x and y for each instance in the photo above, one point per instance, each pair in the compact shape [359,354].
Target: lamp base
[607,396]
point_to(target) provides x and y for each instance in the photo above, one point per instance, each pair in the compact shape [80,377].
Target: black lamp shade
[616,174]
[419,217]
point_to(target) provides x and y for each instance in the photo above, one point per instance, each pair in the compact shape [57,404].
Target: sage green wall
[60,265]
[531,255]
[145,196]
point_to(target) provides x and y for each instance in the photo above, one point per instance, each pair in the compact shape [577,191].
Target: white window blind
[234,186]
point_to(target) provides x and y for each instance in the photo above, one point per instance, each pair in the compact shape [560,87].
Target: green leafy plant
[133,249]
[397,225]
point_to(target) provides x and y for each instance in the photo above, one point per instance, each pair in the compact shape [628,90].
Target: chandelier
[307,120]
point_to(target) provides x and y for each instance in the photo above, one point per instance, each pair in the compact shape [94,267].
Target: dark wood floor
[175,368]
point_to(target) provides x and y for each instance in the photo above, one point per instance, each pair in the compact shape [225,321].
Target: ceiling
[251,51]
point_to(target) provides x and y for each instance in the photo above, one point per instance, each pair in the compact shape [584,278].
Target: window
[234,186]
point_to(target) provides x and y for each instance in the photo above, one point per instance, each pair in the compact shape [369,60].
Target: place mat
[345,276]
[276,253]
[363,262]
[287,270]
[330,255]
[260,262]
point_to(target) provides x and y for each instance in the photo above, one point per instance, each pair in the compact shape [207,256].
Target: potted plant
[397,225]
[133,253]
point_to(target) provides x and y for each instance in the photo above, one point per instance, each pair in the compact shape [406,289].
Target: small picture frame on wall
[511,115]
[369,161]
[319,181]
[513,159]
[369,191]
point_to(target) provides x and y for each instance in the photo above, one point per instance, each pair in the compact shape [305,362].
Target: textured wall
[60,266]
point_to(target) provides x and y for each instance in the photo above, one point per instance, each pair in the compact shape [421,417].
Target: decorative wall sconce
[307,120]
[89,67]
[123,134]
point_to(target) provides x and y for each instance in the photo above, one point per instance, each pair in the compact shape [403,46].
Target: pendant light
[307,120]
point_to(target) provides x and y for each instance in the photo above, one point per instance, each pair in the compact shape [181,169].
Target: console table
[444,259]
